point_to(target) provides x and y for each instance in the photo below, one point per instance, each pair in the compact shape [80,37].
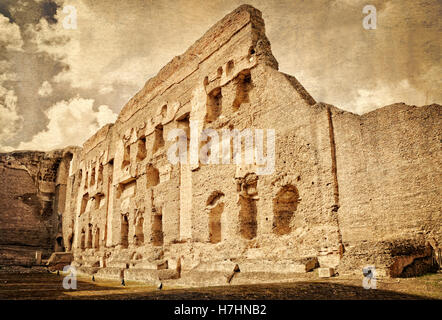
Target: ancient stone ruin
[346,191]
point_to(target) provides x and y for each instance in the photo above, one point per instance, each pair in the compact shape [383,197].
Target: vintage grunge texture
[57,86]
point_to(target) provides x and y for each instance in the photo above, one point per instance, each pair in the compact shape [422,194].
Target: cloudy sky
[58,86]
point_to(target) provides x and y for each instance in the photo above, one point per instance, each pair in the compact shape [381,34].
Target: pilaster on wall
[185,202]
[197,117]
[333,158]
[334,170]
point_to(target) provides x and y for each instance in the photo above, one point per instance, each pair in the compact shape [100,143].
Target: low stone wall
[394,258]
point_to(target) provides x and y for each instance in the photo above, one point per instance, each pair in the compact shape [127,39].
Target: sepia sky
[58,86]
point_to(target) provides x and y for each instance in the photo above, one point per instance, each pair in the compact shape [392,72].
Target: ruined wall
[133,211]
[389,182]
[340,181]
[29,202]
[389,175]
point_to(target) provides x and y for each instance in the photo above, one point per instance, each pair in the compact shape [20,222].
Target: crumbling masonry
[347,190]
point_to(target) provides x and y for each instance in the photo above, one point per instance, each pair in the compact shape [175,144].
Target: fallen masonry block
[309,263]
[326,272]
[38,257]
[59,259]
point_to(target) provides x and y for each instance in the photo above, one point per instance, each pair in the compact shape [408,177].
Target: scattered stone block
[60,258]
[37,257]
[326,272]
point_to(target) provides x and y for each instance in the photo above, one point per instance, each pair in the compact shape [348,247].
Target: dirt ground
[43,286]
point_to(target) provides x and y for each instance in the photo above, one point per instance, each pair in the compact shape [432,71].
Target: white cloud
[10,120]
[53,39]
[70,123]
[106,89]
[385,94]
[70,46]
[432,81]
[91,65]
[45,89]
[132,72]
[10,36]
[105,115]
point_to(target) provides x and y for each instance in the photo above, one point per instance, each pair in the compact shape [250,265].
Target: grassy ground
[49,286]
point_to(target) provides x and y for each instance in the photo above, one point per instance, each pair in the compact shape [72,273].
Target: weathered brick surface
[29,205]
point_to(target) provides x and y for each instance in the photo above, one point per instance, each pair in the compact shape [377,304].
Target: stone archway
[284,206]
[124,239]
[216,207]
